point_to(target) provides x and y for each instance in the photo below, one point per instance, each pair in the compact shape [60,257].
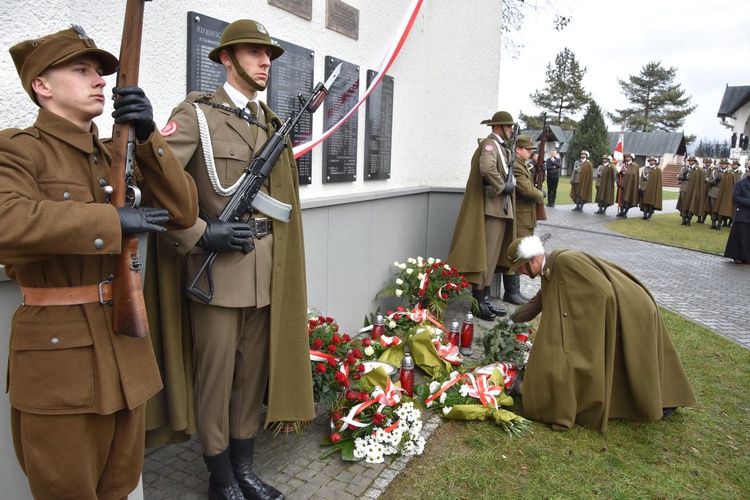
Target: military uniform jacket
[527,196]
[273,273]
[724,203]
[629,184]
[602,350]
[713,179]
[56,230]
[483,197]
[696,193]
[584,175]
[606,191]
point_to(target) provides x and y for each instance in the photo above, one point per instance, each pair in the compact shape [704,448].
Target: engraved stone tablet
[204,34]
[340,149]
[342,18]
[379,128]
[301,8]
[291,75]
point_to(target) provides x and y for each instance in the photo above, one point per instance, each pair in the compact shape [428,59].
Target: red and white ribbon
[321,356]
[395,48]
[390,396]
[449,352]
[507,369]
[446,385]
[387,341]
[482,388]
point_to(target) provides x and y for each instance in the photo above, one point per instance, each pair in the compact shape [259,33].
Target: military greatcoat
[652,187]
[527,196]
[602,350]
[605,192]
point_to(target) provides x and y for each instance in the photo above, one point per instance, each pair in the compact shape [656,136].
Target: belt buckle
[260,226]
[101,293]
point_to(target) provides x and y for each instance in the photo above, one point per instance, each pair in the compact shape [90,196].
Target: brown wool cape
[602,350]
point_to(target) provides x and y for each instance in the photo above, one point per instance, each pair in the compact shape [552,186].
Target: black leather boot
[241,452]
[512,285]
[482,311]
[221,483]
[494,309]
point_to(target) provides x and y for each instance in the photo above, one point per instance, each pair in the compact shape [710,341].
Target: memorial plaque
[340,149]
[291,75]
[204,34]
[301,8]
[378,128]
[342,18]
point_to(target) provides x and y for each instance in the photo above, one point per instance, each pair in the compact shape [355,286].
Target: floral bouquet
[428,284]
[335,363]
[508,341]
[373,423]
[477,395]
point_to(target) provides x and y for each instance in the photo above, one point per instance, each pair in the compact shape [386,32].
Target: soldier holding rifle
[76,388]
[250,330]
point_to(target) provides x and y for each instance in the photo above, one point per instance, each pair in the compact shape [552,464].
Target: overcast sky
[708,42]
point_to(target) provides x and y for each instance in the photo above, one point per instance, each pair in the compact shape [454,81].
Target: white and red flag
[617,155]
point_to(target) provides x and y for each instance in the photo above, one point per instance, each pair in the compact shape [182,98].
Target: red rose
[335,437]
[378,418]
[346,383]
[357,375]
[400,309]
[320,368]
[366,342]
[357,353]
[329,320]
[335,328]
[350,359]
[340,377]
[332,361]
[336,416]
[350,395]
[336,339]
[332,348]
[345,337]
[363,396]
[312,323]
[361,368]
[321,320]
[445,295]
[317,344]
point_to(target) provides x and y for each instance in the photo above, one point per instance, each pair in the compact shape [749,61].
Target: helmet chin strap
[241,72]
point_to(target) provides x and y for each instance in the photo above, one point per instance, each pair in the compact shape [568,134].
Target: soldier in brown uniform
[580,181]
[650,188]
[77,389]
[485,224]
[684,179]
[605,185]
[725,205]
[628,184]
[696,196]
[250,340]
[713,182]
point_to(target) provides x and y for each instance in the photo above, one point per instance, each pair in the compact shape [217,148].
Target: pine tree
[591,135]
[564,94]
[659,104]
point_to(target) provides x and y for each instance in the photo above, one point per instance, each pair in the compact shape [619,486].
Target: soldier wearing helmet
[713,183]
[580,181]
[627,195]
[683,178]
[650,188]
[605,185]
[249,340]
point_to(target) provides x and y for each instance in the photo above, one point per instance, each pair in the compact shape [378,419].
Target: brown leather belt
[68,296]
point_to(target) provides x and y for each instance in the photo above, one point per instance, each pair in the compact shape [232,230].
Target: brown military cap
[245,31]
[32,57]
[524,141]
[499,118]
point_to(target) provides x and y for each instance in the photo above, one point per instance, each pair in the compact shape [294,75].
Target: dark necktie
[253,107]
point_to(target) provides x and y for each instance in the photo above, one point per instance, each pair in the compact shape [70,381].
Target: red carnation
[320,368]
[378,418]
[335,437]
[317,344]
[332,348]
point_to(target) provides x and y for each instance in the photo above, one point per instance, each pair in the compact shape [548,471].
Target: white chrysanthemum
[391,324]
[369,351]
[430,261]
[399,293]
[464,390]
[434,386]
[409,271]
[442,397]
[428,405]
[453,375]
[447,409]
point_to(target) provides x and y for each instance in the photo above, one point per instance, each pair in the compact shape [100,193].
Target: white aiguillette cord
[208,156]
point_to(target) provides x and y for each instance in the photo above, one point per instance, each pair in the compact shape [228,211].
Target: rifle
[510,182]
[129,308]
[541,213]
[248,195]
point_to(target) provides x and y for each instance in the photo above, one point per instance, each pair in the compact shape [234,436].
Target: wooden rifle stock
[541,212]
[127,299]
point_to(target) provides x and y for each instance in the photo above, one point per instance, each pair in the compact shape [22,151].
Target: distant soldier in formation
[552,167]
[627,196]
[605,184]
[650,188]
[713,181]
[580,181]
[696,196]
[725,205]
[684,179]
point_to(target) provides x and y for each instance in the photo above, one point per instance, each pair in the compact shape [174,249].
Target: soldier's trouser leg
[80,457]
[230,354]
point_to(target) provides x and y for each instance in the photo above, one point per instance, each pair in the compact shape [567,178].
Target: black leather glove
[142,219]
[544,193]
[221,236]
[134,106]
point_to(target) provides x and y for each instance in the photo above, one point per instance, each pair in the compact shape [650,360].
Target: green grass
[699,452]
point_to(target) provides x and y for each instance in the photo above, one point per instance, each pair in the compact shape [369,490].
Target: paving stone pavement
[696,285]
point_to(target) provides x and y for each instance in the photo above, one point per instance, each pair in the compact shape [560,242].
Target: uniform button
[102,182]
[160,151]
[176,244]
[66,195]
[96,160]
[55,341]
[99,243]
[565,315]
[231,153]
